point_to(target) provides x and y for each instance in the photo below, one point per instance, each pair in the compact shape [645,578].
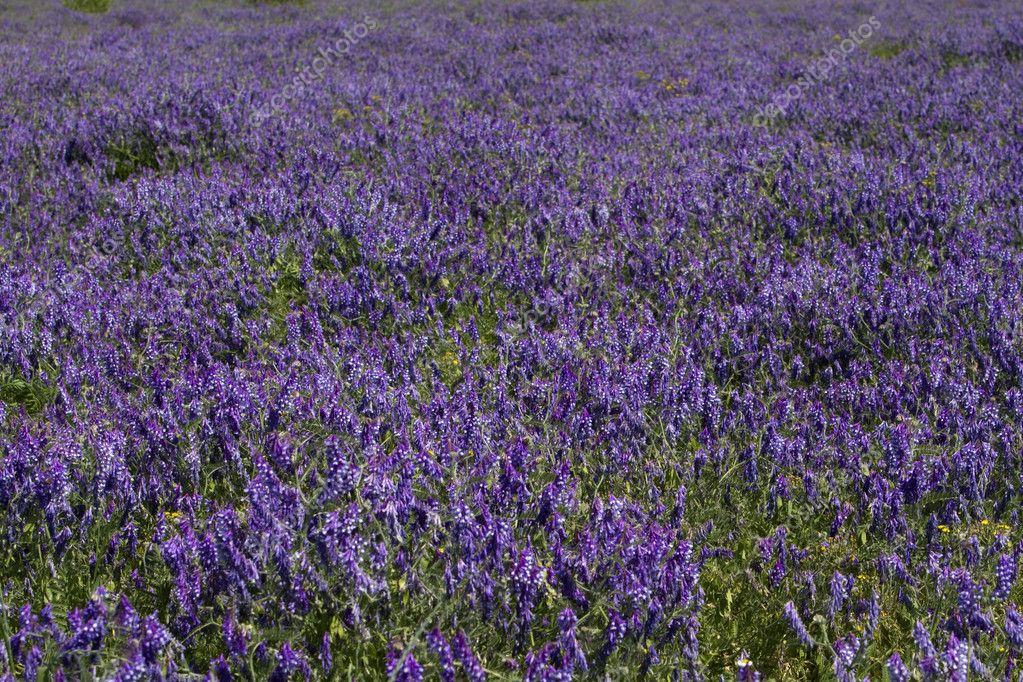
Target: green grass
[1012,51]
[32,394]
[888,49]
[89,6]
[951,59]
[133,154]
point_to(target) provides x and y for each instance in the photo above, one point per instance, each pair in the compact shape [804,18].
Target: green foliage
[277,2]
[951,59]
[132,154]
[34,394]
[89,6]
[1013,51]
[887,49]
[287,292]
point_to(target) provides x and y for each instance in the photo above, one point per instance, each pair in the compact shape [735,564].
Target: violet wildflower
[326,660]
[440,647]
[745,672]
[1014,627]
[1005,576]
[897,670]
[796,623]
[470,664]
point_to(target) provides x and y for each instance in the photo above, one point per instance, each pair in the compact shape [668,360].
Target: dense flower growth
[507,341]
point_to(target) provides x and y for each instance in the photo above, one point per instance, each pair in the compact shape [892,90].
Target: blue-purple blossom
[796,623]
[897,670]
[544,340]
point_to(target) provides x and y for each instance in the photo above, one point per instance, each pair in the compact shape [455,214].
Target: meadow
[535,340]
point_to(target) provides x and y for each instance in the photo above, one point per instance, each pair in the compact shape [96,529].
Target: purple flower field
[538,340]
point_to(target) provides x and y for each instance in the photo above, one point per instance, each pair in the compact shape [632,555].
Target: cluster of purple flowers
[515,349]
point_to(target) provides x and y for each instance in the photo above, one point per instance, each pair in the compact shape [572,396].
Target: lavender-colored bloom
[154,639]
[234,637]
[840,587]
[745,672]
[221,670]
[897,670]
[923,641]
[289,661]
[521,318]
[440,647]
[403,667]
[957,659]
[873,617]
[32,662]
[572,651]
[133,670]
[1005,576]
[970,599]
[1014,626]
[470,664]
[326,660]
[796,623]
[846,650]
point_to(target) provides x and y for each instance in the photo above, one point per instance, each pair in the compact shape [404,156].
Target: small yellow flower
[673,85]
[984,522]
[343,115]
[943,529]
